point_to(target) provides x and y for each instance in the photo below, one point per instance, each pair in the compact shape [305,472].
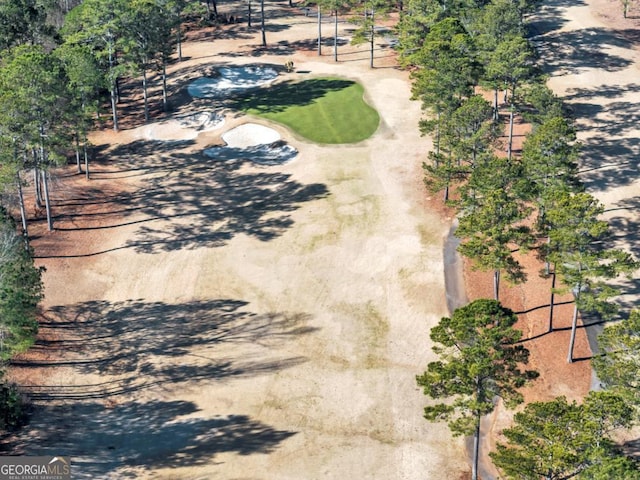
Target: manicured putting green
[323,110]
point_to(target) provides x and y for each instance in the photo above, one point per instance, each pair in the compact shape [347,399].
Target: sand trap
[253,142]
[274,153]
[250,134]
[183,127]
[231,80]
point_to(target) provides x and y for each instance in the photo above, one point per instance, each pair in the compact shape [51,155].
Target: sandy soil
[229,320]
[591,54]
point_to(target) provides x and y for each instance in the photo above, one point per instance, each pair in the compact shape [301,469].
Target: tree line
[58,59]
[475,73]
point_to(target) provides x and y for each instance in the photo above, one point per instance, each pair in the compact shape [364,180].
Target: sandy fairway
[227,320]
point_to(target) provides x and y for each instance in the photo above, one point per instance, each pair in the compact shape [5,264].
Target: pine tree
[478,361]
[558,440]
[493,207]
[618,366]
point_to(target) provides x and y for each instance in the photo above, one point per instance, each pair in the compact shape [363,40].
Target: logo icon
[35,468]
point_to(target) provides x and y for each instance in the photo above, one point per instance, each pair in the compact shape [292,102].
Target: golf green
[323,110]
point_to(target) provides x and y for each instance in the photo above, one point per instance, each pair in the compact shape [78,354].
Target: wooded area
[506,203]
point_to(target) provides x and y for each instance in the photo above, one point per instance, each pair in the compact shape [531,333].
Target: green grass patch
[323,110]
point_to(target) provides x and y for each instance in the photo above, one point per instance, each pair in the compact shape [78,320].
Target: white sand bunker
[183,127]
[231,80]
[250,134]
[253,142]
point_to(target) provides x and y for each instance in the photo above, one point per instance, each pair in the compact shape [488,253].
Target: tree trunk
[319,31]
[438,133]
[36,186]
[179,42]
[165,101]
[86,163]
[574,326]
[496,284]
[264,34]
[36,178]
[372,41]
[113,107]
[78,155]
[23,210]
[510,142]
[335,36]
[249,14]
[552,299]
[448,180]
[118,92]
[45,183]
[215,8]
[145,95]
[476,450]
[547,265]
[496,114]
[113,88]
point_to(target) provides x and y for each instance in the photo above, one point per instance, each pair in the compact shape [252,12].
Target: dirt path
[226,320]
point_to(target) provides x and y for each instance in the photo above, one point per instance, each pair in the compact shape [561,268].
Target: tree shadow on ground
[624,223]
[608,163]
[275,9]
[187,200]
[134,438]
[281,48]
[278,98]
[624,227]
[140,345]
[609,157]
[284,47]
[549,18]
[580,49]
[276,27]
[632,448]
[601,91]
